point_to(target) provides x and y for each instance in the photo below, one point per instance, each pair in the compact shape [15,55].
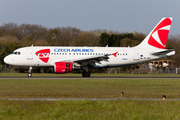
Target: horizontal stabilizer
[162,52]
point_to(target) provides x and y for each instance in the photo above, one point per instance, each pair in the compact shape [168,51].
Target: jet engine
[65,67]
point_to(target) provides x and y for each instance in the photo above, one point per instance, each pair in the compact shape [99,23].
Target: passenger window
[69,53]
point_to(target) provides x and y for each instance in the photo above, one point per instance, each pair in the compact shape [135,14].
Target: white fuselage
[40,57]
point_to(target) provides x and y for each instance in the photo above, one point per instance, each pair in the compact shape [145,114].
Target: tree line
[13,36]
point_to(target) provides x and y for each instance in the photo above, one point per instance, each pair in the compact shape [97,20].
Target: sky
[88,15]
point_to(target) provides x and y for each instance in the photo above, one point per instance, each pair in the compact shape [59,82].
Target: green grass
[90,110]
[89,88]
[123,109]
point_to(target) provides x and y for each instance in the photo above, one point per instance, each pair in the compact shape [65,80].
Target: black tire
[29,74]
[86,74]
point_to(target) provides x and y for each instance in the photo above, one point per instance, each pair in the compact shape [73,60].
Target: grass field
[90,110]
[89,88]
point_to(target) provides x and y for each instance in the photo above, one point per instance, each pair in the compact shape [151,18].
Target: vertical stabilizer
[157,38]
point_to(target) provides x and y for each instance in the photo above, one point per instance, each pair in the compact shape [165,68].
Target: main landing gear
[86,74]
[29,72]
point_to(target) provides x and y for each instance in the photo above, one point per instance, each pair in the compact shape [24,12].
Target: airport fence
[166,70]
[6,68]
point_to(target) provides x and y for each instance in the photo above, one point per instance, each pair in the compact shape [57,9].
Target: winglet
[115,54]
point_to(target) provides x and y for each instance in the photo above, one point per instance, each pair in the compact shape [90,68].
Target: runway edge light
[122,94]
[163,97]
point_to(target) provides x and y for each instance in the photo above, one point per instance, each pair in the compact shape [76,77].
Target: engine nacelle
[65,67]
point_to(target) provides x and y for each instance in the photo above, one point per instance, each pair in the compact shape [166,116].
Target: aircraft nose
[7,60]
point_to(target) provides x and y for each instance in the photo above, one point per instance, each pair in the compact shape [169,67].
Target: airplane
[65,59]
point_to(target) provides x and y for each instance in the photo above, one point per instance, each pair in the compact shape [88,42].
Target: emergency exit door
[29,53]
[136,54]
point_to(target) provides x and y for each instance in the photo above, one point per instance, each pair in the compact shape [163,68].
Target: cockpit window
[16,53]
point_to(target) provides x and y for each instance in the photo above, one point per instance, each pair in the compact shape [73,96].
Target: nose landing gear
[29,72]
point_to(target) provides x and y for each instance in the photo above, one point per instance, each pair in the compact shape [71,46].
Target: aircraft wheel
[29,74]
[86,74]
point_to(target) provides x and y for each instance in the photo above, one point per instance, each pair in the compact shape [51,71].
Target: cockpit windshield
[16,53]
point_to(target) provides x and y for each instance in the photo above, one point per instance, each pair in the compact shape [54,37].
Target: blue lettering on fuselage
[61,50]
[72,50]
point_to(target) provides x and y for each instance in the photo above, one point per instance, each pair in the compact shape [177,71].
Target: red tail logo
[43,55]
[159,35]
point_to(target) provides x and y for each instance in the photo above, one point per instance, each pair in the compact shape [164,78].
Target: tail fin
[157,38]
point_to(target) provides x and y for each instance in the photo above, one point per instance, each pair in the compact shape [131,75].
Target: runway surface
[89,78]
[92,99]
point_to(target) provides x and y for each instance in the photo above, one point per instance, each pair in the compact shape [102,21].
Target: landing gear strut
[29,72]
[86,74]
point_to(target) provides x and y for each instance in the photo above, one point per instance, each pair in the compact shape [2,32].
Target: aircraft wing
[91,60]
